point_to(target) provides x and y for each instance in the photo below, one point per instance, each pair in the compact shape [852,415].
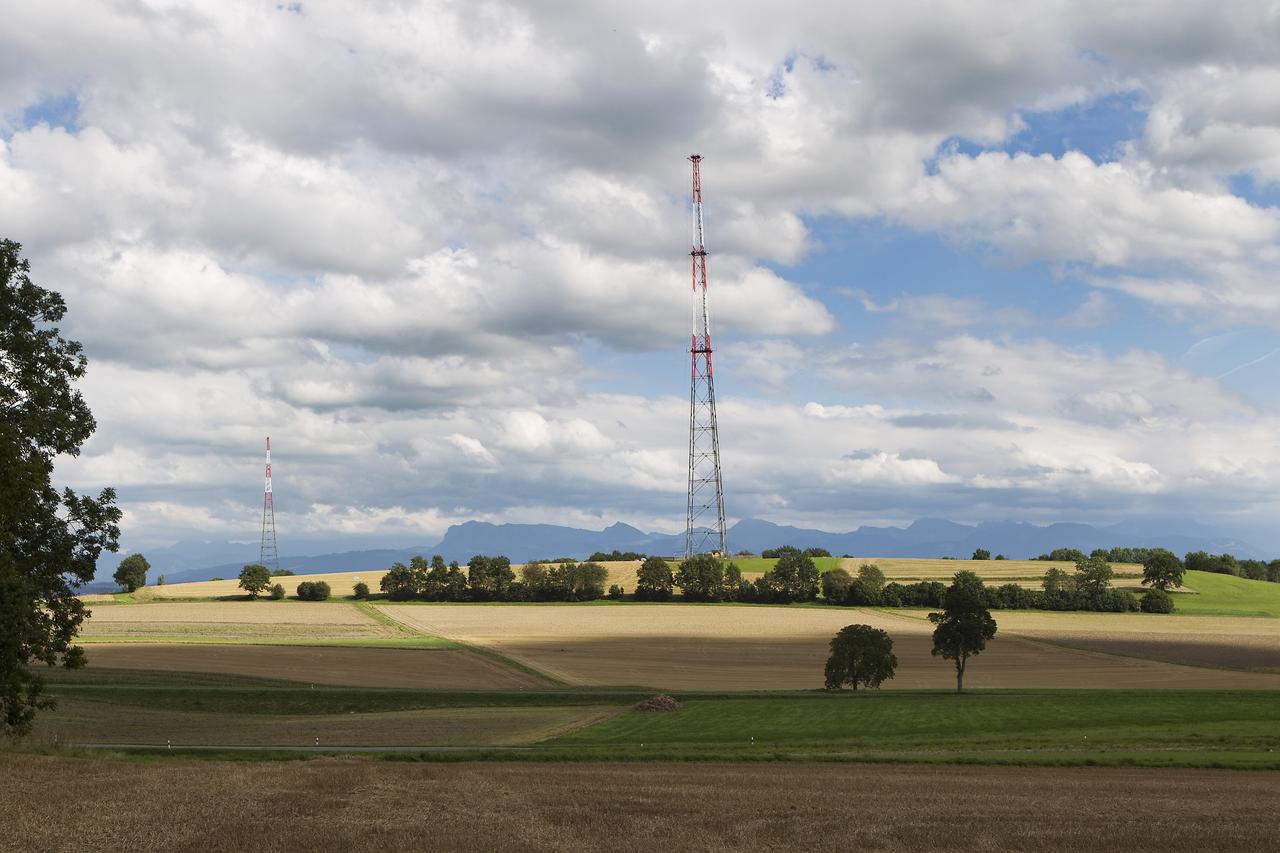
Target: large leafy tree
[654,580]
[964,625]
[1162,569]
[255,579]
[49,541]
[861,656]
[132,572]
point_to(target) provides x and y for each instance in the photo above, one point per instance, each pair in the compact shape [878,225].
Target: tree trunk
[960,676]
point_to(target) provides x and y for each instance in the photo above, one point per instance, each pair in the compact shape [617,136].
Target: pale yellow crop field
[234,622]
[726,647]
[339,582]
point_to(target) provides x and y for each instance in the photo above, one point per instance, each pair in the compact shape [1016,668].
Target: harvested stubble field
[726,647]
[1239,642]
[451,669]
[235,622]
[61,803]
[80,721]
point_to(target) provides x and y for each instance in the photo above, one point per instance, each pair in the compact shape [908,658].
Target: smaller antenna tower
[269,556]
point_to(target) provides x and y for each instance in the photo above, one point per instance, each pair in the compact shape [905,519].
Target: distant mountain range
[928,537]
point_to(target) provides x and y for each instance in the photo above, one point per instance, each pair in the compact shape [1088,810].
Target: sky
[980,261]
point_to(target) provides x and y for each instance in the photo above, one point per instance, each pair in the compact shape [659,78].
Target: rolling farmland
[725,647]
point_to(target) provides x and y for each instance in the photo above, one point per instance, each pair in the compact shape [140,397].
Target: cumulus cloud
[438,248]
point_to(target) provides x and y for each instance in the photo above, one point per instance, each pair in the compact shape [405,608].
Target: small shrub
[615,592]
[360,590]
[1157,601]
[277,592]
[313,590]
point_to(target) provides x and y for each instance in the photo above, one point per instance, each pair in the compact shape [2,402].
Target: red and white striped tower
[269,556]
[704,529]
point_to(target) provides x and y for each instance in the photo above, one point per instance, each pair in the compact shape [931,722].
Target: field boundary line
[483,651]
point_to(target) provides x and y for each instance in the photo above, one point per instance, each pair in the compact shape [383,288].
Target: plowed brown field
[692,647]
[452,669]
[57,803]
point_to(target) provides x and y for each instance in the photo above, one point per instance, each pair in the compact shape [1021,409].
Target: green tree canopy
[490,577]
[701,578]
[835,585]
[254,578]
[1162,569]
[654,580]
[965,625]
[981,554]
[132,572]
[49,541]
[861,656]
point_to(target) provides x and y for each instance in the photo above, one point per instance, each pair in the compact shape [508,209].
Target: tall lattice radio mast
[269,556]
[704,530]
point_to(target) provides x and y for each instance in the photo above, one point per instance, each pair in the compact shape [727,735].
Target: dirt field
[344,804]
[234,621]
[691,647]
[452,669]
[79,721]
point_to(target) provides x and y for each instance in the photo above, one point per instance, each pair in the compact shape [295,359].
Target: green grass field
[1064,727]
[1228,595]
[762,564]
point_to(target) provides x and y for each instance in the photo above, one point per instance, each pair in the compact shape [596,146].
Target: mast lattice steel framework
[704,530]
[269,556]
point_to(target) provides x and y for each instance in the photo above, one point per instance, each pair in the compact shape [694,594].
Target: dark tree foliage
[132,572]
[1064,555]
[816,552]
[654,580]
[793,578]
[861,656]
[313,591]
[981,554]
[780,551]
[1162,569]
[398,583]
[964,625]
[835,585]
[1200,561]
[277,592]
[1156,600]
[254,579]
[490,577]
[870,574]
[614,556]
[616,592]
[360,590]
[703,577]
[49,541]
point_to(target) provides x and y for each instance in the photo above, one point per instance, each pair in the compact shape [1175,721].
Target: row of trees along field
[862,656]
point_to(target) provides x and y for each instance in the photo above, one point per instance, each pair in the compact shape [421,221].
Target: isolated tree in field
[981,554]
[654,580]
[254,579]
[132,572]
[1162,570]
[49,541]
[964,625]
[861,656]
[1156,600]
